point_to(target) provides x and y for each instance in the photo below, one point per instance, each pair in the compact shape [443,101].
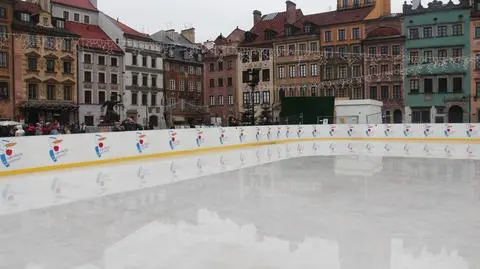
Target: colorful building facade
[437,70]
[222,80]
[45,65]
[475,67]
[383,65]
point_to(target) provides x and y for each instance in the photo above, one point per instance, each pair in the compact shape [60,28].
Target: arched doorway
[153,120]
[455,114]
[397,116]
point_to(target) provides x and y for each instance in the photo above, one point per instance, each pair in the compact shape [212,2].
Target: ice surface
[352,211]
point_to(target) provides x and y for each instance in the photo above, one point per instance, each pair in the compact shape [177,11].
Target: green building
[437,65]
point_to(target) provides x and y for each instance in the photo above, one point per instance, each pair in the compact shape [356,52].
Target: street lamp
[253,80]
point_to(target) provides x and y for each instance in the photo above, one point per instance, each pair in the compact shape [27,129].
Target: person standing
[19,131]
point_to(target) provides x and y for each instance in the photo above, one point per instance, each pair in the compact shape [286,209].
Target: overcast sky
[209,17]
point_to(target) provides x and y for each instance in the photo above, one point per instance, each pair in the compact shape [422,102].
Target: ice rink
[298,205]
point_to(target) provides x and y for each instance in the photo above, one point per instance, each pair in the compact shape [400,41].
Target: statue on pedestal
[110,115]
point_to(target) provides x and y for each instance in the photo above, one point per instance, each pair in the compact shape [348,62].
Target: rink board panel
[24,155]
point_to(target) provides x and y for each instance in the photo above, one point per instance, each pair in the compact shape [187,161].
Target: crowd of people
[48,128]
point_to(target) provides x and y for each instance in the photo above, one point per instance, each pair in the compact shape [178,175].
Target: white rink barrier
[153,177]
[44,153]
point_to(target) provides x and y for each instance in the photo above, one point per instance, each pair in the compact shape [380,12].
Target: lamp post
[254,79]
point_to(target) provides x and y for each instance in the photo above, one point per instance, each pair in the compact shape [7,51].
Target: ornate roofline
[435,5]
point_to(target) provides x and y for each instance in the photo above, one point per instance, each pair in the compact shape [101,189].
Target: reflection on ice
[361,208]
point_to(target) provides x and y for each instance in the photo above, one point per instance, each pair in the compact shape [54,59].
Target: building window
[265,97]
[384,50]
[428,85]
[145,80]
[114,79]
[342,51]
[413,57]
[457,53]
[291,50]
[172,84]
[256,98]
[442,31]
[372,51]
[3,12]
[86,19]
[101,60]
[397,92]
[303,70]
[87,76]
[427,56]
[32,63]
[220,66]
[87,58]
[3,59]
[66,15]
[76,17]
[25,17]
[356,33]
[414,85]
[356,71]
[341,35]
[50,65]
[396,50]
[191,85]
[292,71]
[101,78]
[413,33]
[3,32]
[307,28]
[144,61]
[281,72]
[356,49]
[199,86]
[384,92]
[303,91]
[314,47]
[313,70]
[212,100]
[397,69]
[329,52]
[114,96]
[245,77]
[220,100]
[211,67]
[442,54]
[134,59]
[478,89]
[51,95]
[302,49]
[442,85]
[230,100]
[134,79]
[67,45]
[477,32]
[255,56]
[220,82]
[384,69]
[32,91]
[328,36]
[342,72]
[230,81]
[67,67]
[153,99]
[457,85]
[313,91]
[265,75]
[373,69]
[154,81]
[60,24]
[457,30]
[328,73]
[373,92]
[427,32]
[281,51]
[134,98]
[181,84]
[144,99]
[113,61]
[101,97]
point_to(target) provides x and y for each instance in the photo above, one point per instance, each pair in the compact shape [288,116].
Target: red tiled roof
[383,32]
[27,7]
[127,29]
[92,36]
[276,24]
[83,4]
[337,17]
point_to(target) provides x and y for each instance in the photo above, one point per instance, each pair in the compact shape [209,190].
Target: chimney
[44,4]
[291,12]
[189,34]
[257,16]
[94,3]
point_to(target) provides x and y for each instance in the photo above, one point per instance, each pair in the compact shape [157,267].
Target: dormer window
[289,31]
[269,34]
[307,28]
[25,17]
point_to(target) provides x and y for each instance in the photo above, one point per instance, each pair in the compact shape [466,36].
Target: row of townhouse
[422,63]
[63,60]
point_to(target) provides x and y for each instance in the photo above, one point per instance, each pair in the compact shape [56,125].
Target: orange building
[7,96]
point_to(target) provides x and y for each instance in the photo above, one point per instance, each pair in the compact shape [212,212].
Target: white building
[100,62]
[143,65]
